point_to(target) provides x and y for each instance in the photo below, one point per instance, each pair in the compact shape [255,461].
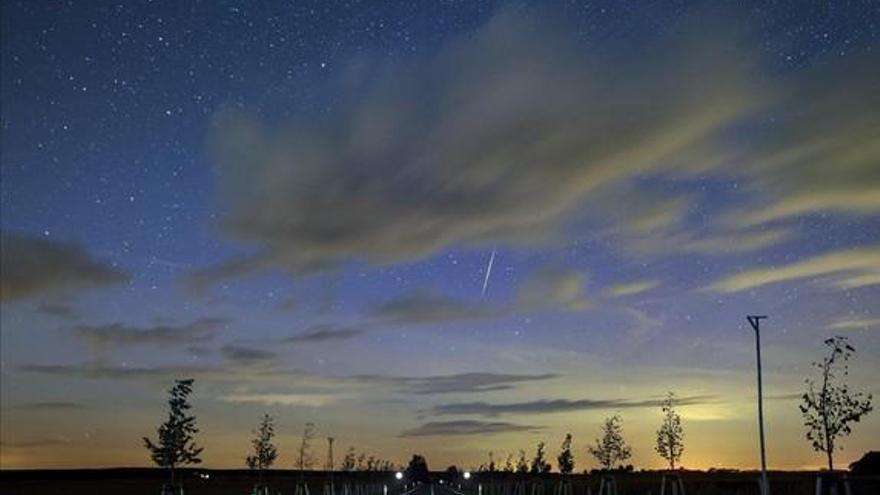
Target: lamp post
[755,322]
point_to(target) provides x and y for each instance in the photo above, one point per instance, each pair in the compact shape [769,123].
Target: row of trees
[829,408]
[265,452]
[610,450]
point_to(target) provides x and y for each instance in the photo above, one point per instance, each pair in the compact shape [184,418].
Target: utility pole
[755,322]
[329,465]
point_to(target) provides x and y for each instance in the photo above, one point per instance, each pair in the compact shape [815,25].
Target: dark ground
[240,482]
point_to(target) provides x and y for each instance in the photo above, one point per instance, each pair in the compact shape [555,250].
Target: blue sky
[296,204]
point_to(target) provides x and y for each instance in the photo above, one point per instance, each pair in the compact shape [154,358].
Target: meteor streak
[488,272]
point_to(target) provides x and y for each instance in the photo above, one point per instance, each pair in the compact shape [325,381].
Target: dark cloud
[324,333]
[112,372]
[59,310]
[246,355]
[247,364]
[556,406]
[466,427]
[44,442]
[47,406]
[427,307]
[118,334]
[498,137]
[288,305]
[471,382]
[35,265]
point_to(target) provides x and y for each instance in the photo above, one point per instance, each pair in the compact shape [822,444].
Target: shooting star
[488,273]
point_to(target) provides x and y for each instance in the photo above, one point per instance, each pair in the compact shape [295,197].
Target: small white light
[398,475]
[467,475]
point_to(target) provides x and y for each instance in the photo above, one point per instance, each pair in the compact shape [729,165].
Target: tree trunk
[830,459]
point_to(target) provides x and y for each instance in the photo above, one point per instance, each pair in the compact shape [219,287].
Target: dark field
[240,482]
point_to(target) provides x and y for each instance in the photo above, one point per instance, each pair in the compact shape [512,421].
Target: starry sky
[446,227]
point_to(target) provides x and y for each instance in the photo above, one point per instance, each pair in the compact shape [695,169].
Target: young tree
[491,466]
[612,449]
[176,443]
[565,459]
[304,458]
[522,465]
[417,470]
[265,452]
[670,436]
[348,462]
[508,464]
[539,463]
[829,410]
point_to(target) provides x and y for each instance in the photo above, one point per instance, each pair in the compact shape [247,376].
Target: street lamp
[755,322]
[398,475]
[467,475]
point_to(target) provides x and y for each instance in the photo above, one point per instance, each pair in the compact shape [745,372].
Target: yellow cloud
[630,288]
[854,323]
[856,262]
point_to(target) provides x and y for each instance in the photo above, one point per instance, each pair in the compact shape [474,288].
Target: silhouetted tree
[508,464]
[670,436]
[829,410]
[452,474]
[361,461]
[417,470]
[304,458]
[522,465]
[539,463]
[611,449]
[491,466]
[349,461]
[175,445]
[565,459]
[265,452]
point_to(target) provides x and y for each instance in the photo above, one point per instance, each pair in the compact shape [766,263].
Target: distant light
[467,475]
[205,476]
[398,475]
[441,482]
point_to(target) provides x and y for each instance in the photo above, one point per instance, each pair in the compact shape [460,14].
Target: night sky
[297,203]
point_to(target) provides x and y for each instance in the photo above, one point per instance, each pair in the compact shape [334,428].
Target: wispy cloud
[309,400]
[35,265]
[854,323]
[514,128]
[552,288]
[631,288]
[843,264]
[466,427]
